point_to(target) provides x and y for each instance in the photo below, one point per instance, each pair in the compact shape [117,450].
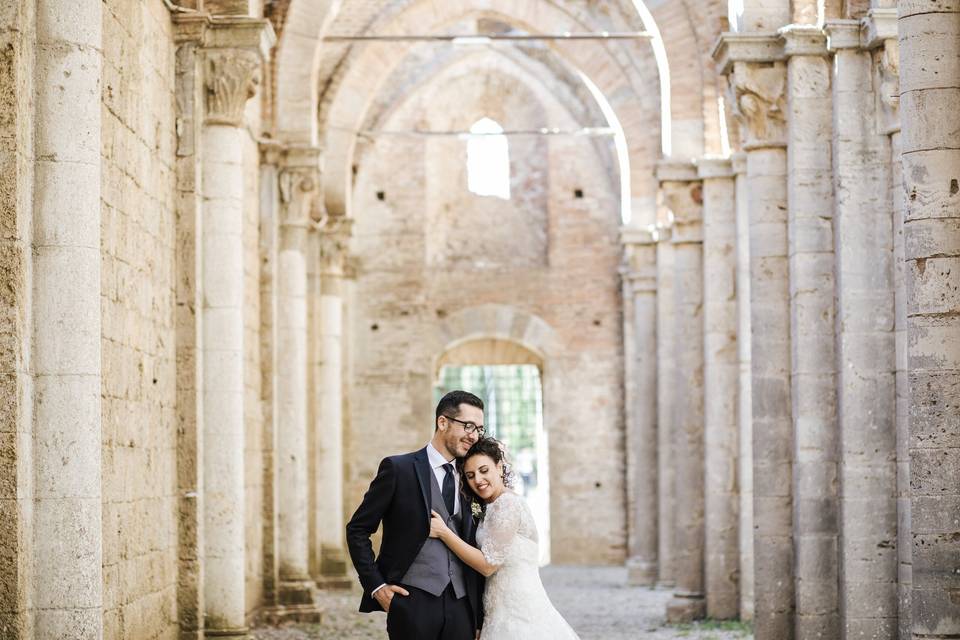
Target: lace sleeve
[502,525]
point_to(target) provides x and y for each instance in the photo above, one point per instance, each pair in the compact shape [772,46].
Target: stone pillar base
[686,608]
[333,562]
[297,602]
[300,613]
[238,633]
[641,573]
[333,572]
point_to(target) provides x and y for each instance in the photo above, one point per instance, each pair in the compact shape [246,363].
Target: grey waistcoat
[436,566]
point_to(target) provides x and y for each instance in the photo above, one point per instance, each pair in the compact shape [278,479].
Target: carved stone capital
[335,246]
[682,193]
[231,77]
[298,181]
[758,101]
[887,67]
[234,49]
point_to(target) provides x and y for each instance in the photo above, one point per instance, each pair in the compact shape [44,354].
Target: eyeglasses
[469,427]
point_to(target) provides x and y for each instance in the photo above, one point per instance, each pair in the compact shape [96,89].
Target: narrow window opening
[488,160]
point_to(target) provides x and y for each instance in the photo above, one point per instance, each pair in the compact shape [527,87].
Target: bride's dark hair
[493,449]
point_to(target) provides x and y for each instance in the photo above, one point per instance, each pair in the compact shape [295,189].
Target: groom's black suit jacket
[399,497]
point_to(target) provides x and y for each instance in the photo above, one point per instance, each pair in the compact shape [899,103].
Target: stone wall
[16,192]
[402,301]
[137,276]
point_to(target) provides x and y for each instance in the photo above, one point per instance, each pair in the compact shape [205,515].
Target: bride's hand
[438,528]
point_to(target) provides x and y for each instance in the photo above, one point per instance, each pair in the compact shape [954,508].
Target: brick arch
[487,351]
[544,102]
[296,64]
[630,94]
[684,28]
[637,111]
[492,324]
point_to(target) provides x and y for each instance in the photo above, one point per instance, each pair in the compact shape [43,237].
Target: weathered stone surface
[929,53]
[813,373]
[721,371]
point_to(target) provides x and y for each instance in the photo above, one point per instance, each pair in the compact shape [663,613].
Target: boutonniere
[478,511]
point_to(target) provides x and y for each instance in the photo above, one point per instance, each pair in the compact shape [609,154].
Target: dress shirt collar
[436,458]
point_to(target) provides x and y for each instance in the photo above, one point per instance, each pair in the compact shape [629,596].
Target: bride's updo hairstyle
[493,449]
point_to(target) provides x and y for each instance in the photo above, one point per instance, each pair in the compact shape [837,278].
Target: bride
[515,603]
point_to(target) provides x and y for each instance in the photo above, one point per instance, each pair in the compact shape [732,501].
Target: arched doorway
[508,377]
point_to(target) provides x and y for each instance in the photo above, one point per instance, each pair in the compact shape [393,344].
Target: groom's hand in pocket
[385,595]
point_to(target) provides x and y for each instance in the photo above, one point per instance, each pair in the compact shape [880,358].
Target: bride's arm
[462,549]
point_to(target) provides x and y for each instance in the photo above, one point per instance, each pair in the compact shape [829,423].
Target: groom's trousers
[424,616]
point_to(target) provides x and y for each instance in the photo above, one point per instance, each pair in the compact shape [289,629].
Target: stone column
[190,30]
[298,180]
[813,378]
[231,73]
[757,78]
[641,286]
[744,407]
[334,243]
[866,359]
[271,160]
[683,196]
[881,27]
[665,394]
[929,93]
[67,596]
[721,371]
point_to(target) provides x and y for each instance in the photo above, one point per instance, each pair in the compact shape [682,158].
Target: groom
[427,592]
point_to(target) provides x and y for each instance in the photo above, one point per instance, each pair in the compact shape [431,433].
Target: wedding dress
[515,603]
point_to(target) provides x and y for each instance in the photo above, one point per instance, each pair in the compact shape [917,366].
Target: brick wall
[401,299]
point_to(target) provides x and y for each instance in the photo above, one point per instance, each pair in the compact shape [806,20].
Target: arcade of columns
[793,441]
[797,319]
[304,258]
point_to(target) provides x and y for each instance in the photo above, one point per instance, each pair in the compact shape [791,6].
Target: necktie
[448,488]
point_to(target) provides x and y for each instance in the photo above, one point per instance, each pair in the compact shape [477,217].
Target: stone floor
[594,600]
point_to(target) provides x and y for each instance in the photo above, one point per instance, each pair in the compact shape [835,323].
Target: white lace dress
[515,603]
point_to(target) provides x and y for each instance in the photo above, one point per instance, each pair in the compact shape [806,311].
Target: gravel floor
[594,600]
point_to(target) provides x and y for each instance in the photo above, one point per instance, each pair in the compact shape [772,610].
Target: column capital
[758,102]
[298,180]
[676,170]
[682,193]
[335,235]
[732,47]
[234,51]
[878,27]
[711,167]
[842,34]
[803,40]
[639,271]
[190,28]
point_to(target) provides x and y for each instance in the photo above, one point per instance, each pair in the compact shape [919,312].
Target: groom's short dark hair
[450,404]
